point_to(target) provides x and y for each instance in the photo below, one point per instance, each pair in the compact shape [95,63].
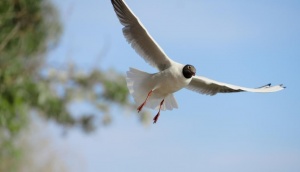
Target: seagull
[155,90]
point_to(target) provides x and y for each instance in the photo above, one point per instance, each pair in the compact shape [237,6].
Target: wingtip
[271,88]
[282,86]
[279,87]
[265,86]
[269,85]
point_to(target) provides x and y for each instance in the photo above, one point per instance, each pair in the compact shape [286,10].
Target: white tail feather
[170,102]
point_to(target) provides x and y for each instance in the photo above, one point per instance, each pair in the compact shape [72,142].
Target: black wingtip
[267,85]
[281,85]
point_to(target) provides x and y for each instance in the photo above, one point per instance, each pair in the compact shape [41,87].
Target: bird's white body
[163,84]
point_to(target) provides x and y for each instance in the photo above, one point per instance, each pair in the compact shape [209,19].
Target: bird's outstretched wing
[140,40]
[210,87]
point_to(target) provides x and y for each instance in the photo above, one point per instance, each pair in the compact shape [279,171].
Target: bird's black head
[188,71]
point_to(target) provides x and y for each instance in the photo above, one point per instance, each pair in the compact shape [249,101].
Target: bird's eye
[189,67]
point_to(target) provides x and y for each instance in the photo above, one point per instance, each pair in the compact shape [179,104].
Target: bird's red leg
[142,105]
[157,115]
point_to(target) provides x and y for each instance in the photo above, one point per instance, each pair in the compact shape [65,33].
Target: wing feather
[210,87]
[140,40]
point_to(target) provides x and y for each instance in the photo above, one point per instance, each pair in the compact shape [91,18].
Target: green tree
[28,30]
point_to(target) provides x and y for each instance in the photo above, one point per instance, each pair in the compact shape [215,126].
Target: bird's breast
[169,81]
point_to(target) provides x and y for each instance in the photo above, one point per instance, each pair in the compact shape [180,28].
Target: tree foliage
[28,29]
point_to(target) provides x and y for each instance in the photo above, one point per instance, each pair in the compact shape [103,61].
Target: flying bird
[155,90]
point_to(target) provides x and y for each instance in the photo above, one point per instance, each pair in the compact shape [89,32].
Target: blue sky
[247,43]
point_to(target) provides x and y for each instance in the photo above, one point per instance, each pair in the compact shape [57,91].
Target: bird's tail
[135,79]
[136,84]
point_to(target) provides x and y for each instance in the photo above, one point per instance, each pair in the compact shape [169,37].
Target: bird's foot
[156,118]
[140,107]
[157,115]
